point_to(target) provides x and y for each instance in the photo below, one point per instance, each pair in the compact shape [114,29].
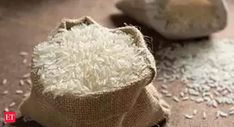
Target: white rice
[87,59]
[206,69]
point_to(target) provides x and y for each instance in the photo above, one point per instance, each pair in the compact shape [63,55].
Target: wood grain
[24,23]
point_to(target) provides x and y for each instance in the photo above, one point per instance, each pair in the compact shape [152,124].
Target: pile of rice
[206,68]
[87,59]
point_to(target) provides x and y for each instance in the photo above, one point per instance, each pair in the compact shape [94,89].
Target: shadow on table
[20,123]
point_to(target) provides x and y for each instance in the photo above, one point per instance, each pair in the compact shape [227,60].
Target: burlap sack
[178,19]
[114,108]
[149,109]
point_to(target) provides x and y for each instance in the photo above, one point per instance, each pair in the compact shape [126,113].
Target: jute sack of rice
[86,75]
[178,19]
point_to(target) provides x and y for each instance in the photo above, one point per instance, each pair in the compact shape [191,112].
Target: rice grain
[23,53]
[12,104]
[4,81]
[19,92]
[187,116]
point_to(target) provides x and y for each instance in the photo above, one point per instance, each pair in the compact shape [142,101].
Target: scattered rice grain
[12,104]
[29,81]
[6,109]
[26,94]
[168,95]
[222,114]
[27,75]
[24,61]
[5,92]
[187,116]
[23,53]
[231,113]
[19,92]
[182,94]
[176,99]
[206,68]
[164,86]
[215,104]
[21,82]
[217,114]
[194,112]
[231,109]
[199,100]
[185,98]
[4,81]
[204,115]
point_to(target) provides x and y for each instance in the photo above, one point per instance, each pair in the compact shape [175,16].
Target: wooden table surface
[24,23]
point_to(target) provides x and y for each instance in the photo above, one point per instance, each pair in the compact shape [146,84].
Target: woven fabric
[116,108]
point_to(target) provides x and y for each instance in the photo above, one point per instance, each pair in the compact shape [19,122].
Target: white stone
[178,19]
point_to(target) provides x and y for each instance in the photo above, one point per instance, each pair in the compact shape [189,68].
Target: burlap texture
[114,108]
[148,110]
